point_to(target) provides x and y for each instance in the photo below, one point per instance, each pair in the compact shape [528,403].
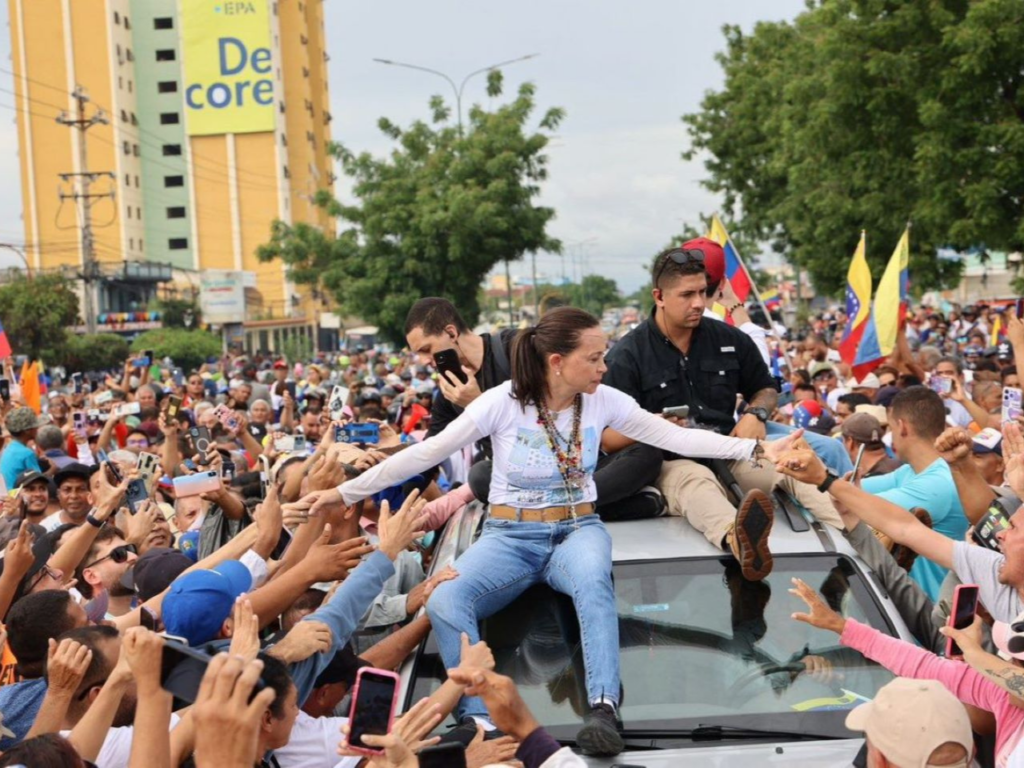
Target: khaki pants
[693,491]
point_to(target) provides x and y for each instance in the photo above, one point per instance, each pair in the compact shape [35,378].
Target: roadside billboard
[227,66]
[222,295]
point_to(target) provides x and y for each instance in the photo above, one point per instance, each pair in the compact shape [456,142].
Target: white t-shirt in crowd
[314,744]
[117,746]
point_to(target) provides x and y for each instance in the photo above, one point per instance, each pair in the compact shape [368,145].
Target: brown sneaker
[905,556]
[748,538]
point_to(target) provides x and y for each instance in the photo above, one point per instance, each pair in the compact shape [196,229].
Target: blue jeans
[830,450]
[509,558]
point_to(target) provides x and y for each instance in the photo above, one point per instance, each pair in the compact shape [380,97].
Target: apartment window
[166,54]
[172,150]
[140,244]
[169,118]
[127,180]
[127,24]
[129,86]
[135,149]
[176,212]
[127,148]
[129,211]
[287,173]
[118,48]
[134,119]
[174,181]
[120,83]
[163,22]
[136,181]
[117,17]
[131,243]
[124,116]
[177,243]
[129,55]
[138,215]
[167,86]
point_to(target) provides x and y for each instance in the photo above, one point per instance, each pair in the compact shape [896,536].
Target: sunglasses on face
[680,257]
[117,554]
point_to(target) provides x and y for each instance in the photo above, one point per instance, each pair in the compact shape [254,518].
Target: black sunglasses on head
[117,554]
[680,257]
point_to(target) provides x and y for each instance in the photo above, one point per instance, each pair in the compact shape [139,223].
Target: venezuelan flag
[734,271]
[858,302]
[772,299]
[882,327]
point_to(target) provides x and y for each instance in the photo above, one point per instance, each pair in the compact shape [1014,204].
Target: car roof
[672,537]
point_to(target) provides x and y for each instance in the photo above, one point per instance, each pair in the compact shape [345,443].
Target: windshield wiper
[724,732]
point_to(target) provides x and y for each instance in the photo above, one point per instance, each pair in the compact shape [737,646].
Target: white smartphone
[1011,404]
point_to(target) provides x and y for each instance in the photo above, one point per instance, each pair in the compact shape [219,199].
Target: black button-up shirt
[722,363]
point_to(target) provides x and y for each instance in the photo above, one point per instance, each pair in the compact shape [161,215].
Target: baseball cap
[30,476]
[819,367]
[155,571]
[863,428]
[714,257]
[74,469]
[811,416]
[197,604]
[1009,638]
[280,364]
[1004,351]
[868,382]
[886,395]
[989,440]
[973,351]
[23,419]
[909,719]
[878,411]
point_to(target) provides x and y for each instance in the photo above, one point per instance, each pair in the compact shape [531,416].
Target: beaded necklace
[569,459]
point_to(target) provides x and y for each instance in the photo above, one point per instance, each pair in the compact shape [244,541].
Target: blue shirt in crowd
[16,459]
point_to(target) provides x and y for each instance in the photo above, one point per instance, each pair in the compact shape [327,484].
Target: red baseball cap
[714,257]
[280,364]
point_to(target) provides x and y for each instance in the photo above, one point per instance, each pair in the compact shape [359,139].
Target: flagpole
[750,278]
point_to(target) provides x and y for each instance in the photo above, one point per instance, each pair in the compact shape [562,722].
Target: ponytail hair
[557,333]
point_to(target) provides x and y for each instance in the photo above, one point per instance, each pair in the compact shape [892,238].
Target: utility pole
[83,194]
[536,293]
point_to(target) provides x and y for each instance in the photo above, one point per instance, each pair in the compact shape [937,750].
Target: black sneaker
[465,732]
[599,736]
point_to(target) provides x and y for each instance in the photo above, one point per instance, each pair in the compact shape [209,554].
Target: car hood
[806,754]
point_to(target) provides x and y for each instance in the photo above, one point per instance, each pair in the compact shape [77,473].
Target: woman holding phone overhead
[545,425]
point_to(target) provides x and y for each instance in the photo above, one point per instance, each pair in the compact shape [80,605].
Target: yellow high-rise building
[207,120]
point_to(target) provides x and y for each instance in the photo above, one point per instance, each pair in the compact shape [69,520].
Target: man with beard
[102,568]
[34,497]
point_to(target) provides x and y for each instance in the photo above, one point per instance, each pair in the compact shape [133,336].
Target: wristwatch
[830,477]
[761,413]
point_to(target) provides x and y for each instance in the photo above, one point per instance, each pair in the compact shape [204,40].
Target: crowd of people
[279,519]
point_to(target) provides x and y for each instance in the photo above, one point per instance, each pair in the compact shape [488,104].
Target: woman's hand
[819,615]
[968,639]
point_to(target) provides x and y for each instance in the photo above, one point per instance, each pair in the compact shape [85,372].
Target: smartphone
[940,384]
[5,389]
[282,544]
[676,411]
[115,472]
[987,529]
[264,476]
[300,444]
[227,470]
[76,383]
[178,377]
[135,494]
[1011,404]
[366,434]
[965,603]
[141,362]
[148,463]
[1020,309]
[450,755]
[284,444]
[201,442]
[173,407]
[856,464]
[193,485]
[447,361]
[103,397]
[226,416]
[129,409]
[336,405]
[374,699]
[79,421]
[290,388]
[182,669]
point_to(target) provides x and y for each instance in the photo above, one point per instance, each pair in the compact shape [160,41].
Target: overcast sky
[624,73]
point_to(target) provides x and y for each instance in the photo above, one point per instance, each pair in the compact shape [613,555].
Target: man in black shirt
[678,357]
[433,324]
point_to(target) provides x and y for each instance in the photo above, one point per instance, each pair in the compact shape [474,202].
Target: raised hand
[819,614]
[226,721]
[803,465]
[773,449]
[245,630]
[329,562]
[398,531]
[18,556]
[302,641]
[66,665]
[954,445]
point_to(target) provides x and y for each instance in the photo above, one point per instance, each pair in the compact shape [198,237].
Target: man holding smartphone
[34,496]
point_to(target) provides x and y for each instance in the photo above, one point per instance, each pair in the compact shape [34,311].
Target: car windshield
[699,646]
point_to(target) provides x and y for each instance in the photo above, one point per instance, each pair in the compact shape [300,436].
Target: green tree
[594,293]
[434,216]
[188,349]
[174,313]
[98,352]
[37,313]
[864,114]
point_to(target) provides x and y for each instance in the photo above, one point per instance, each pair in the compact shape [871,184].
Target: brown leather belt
[544,515]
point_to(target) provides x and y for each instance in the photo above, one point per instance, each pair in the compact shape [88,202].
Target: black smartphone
[447,360]
[135,494]
[986,529]
[173,407]
[373,707]
[115,472]
[201,443]
[1020,309]
[965,605]
[182,669]
[451,755]
[290,387]
[76,383]
[5,389]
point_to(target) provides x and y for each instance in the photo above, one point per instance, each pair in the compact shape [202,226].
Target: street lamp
[457,90]
[21,253]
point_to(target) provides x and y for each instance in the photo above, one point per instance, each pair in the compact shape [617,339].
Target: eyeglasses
[679,256]
[117,554]
[46,571]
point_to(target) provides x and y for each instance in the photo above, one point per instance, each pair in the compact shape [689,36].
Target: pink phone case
[957,596]
[355,700]
[193,485]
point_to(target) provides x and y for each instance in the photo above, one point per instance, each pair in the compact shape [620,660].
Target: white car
[712,666]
